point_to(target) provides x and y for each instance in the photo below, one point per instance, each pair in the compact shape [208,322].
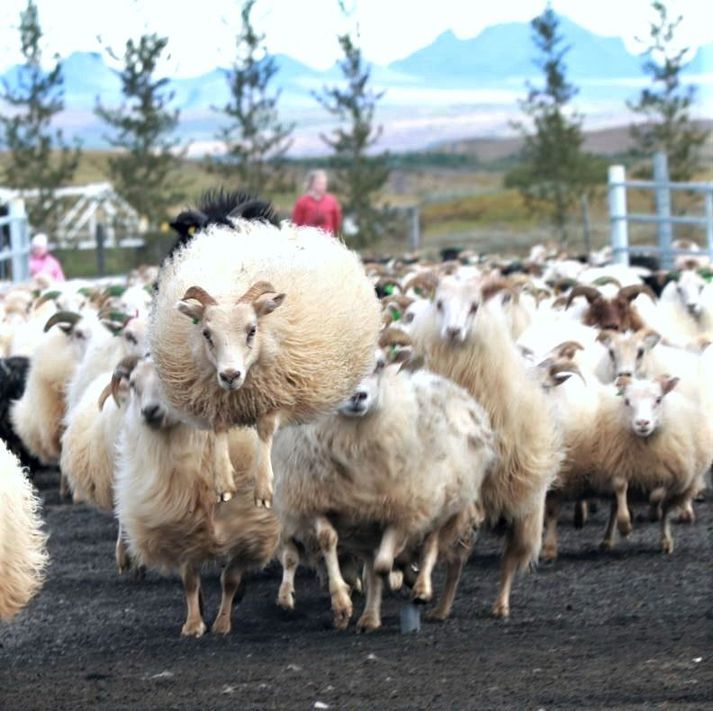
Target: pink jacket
[48,265]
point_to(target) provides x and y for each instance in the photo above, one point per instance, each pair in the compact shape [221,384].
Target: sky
[202,34]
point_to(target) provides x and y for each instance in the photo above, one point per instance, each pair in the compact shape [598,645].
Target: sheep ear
[668,384]
[605,338]
[267,306]
[651,339]
[192,309]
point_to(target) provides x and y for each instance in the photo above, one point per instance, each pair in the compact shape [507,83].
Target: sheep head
[457,302]
[627,351]
[690,289]
[615,314]
[643,400]
[147,398]
[231,334]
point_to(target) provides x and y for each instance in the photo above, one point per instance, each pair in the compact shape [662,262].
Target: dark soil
[628,629]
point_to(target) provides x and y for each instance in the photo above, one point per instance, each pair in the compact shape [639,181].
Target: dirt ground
[628,629]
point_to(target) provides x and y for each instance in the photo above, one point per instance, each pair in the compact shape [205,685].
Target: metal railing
[663,219]
[14,242]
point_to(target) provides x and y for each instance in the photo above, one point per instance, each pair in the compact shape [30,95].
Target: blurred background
[452,125]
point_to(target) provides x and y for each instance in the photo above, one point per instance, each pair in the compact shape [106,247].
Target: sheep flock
[268,395]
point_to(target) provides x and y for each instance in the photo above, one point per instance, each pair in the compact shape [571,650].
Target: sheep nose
[453,332]
[643,423]
[359,397]
[229,376]
[624,374]
[612,326]
[150,412]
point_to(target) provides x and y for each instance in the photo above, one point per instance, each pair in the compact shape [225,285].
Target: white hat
[39,241]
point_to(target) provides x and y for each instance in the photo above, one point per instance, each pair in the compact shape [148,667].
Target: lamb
[287,331]
[464,336]
[23,543]
[398,469]
[642,438]
[180,502]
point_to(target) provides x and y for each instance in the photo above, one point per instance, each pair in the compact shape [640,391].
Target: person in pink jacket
[42,262]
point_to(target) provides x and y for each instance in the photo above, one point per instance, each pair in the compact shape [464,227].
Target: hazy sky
[202,33]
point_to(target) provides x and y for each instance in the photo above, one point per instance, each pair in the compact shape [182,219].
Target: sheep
[181,503]
[37,416]
[685,309]
[13,377]
[23,543]
[288,330]
[399,467]
[464,336]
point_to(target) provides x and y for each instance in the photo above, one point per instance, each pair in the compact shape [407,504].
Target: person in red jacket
[317,207]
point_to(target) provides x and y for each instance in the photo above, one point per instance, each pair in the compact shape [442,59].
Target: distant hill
[451,89]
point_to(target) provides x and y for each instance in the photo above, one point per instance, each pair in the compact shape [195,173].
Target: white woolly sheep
[287,331]
[464,336]
[184,497]
[399,467]
[23,552]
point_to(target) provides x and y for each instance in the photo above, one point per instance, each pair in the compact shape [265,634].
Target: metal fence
[664,220]
[14,241]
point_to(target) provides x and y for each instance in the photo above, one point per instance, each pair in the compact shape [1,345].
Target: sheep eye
[439,305]
[611,354]
[380,365]
[207,336]
[640,353]
[473,308]
[251,332]
[131,338]
[626,402]
[658,400]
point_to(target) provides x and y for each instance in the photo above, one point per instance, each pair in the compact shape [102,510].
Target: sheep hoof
[221,625]
[686,516]
[342,610]
[421,594]
[549,552]
[383,565]
[286,599]
[667,545]
[624,527]
[368,623]
[396,580]
[501,610]
[195,628]
[438,614]
[606,545]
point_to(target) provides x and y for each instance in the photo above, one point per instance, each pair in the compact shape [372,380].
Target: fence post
[101,255]
[586,226]
[617,215]
[19,241]
[664,227]
[415,227]
[708,206]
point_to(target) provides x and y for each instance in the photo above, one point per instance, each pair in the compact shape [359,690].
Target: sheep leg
[655,499]
[194,625]
[581,513]
[290,559]
[392,543]
[123,562]
[231,581]
[610,534]
[552,510]
[455,563]
[666,537]
[338,589]
[423,589]
[623,515]
[370,619]
[686,512]
[266,428]
[521,548]
[65,492]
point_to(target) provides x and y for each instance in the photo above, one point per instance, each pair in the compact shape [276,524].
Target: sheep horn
[494,287]
[564,366]
[256,291]
[118,316]
[200,295]
[122,371]
[631,292]
[427,281]
[563,284]
[62,317]
[567,349]
[394,337]
[47,296]
[588,292]
[104,395]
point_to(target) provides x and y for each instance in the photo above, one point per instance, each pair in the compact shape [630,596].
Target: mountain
[505,51]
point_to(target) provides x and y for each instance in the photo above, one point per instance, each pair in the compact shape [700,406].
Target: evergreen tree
[255,140]
[665,105]
[554,170]
[359,176]
[145,171]
[39,158]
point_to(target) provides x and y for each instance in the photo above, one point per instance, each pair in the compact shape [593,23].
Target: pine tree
[145,171]
[39,158]
[359,176]
[665,106]
[255,140]
[554,171]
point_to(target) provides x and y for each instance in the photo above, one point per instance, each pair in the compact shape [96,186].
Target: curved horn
[256,291]
[427,281]
[490,288]
[62,317]
[104,395]
[631,292]
[567,349]
[200,295]
[402,302]
[604,280]
[563,284]
[122,371]
[564,366]
[47,296]
[118,316]
[588,292]
[394,337]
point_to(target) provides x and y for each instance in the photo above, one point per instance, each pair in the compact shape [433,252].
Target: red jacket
[325,213]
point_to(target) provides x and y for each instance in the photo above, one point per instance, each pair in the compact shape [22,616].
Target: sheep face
[134,334]
[690,288]
[627,351]
[643,400]
[230,334]
[366,398]
[147,396]
[456,303]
